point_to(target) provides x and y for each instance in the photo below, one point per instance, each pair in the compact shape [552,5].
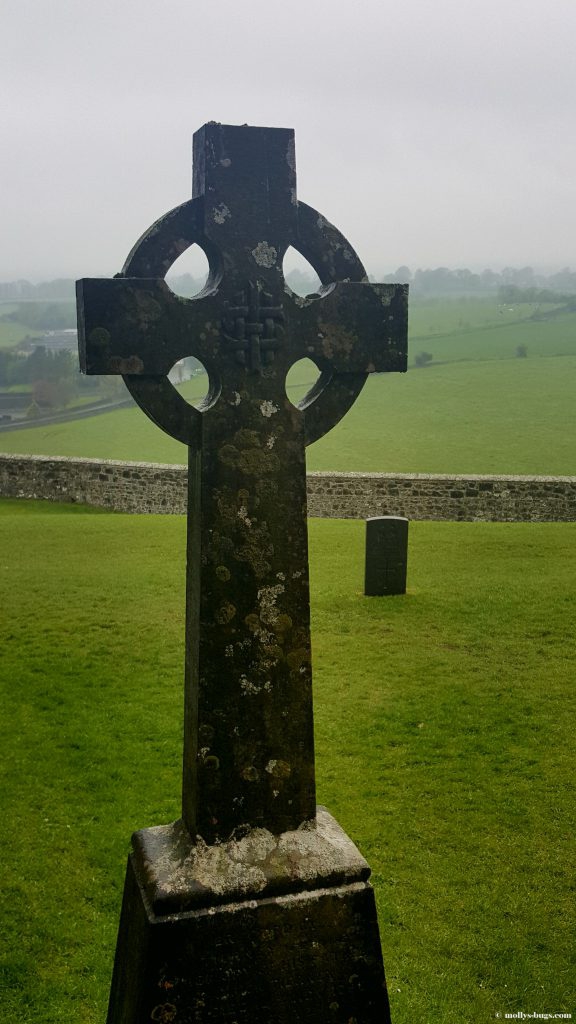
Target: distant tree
[33,411]
[563,281]
[434,282]
[185,284]
[521,278]
[302,282]
[511,294]
[521,352]
[489,280]
[192,366]
[466,281]
[423,358]
[111,389]
[65,365]
[61,288]
[51,394]
[46,316]
[44,365]
[43,394]
[6,360]
[403,275]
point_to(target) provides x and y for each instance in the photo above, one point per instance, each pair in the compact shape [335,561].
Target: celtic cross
[248,748]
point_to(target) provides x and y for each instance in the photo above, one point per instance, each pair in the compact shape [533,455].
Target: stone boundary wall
[120,486]
[155,487]
[506,499]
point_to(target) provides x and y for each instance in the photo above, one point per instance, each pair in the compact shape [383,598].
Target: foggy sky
[431,132]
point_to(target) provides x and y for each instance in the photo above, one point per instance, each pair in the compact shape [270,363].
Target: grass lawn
[497,416]
[476,409]
[11,332]
[556,337]
[444,728]
[434,317]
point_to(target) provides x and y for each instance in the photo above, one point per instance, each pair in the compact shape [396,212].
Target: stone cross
[255,903]
[248,749]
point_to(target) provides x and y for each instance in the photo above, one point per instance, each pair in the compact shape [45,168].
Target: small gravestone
[386,556]
[254,906]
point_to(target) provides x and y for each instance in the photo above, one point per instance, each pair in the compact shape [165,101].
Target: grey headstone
[386,556]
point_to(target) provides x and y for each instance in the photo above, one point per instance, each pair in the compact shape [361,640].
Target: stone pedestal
[260,930]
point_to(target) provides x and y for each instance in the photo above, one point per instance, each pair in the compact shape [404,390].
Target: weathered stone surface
[248,736]
[386,556]
[249,823]
[301,958]
[428,496]
[135,326]
[149,487]
[178,874]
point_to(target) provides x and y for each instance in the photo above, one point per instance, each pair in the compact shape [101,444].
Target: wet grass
[444,729]
[446,749]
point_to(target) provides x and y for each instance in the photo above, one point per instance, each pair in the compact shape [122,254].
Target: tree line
[439,281]
[53,379]
[43,316]
[509,282]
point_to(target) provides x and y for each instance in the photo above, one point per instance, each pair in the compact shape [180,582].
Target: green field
[444,733]
[444,719]
[500,339]
[11,333]
[500,416]
[433,317]
[475,409]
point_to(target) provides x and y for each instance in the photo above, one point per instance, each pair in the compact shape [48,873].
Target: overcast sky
[431,132]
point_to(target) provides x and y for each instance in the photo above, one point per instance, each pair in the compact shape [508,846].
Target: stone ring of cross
[324,248]
[246,324]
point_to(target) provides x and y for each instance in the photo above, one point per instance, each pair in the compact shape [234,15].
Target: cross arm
[138,326]
[356,327]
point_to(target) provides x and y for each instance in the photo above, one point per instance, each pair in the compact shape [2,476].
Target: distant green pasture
[438,316]
[499,416]
[444,734]
[516,416]
[555,337]
[432,316]
[11,333]
[476,409]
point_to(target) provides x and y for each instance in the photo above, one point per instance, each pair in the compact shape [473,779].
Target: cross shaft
[248,757]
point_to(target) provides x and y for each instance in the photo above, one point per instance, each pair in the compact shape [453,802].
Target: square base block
[311,956]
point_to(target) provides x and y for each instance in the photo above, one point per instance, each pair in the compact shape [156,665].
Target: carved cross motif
[248,758]
[253,327]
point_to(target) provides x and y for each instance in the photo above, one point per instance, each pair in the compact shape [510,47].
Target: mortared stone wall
[160,488]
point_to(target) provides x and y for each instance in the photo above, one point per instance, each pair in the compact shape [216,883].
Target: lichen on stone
[265,255]
[268,409]
[225,614]
[221,213]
